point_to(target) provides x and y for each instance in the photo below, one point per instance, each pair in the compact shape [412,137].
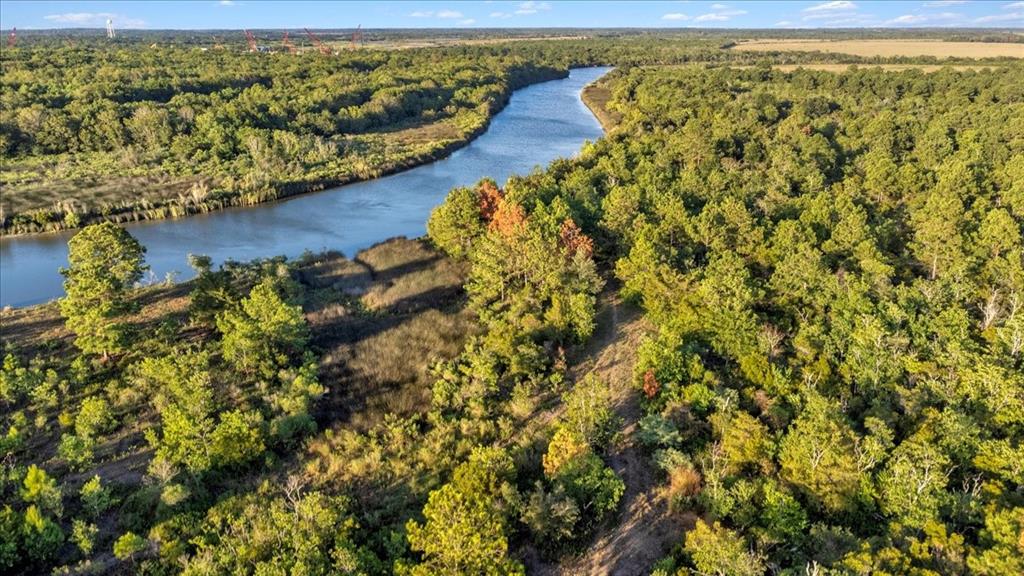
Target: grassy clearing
[410,43]
[114,186]
[379,322]
[927,68]
[596,96]
[92,180]
[889,48]
[382,320]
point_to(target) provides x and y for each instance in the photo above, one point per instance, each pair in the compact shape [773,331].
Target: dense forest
[94,131]
[91,131]
[127,134]
[796,297]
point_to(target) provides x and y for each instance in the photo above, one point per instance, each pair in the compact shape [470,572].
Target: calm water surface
[541,123]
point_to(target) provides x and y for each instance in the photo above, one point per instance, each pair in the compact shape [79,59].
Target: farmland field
[836,67]
[889,48]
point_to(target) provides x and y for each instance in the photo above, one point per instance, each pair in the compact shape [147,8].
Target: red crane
[288,43]
[251,40]
[323,48]
[12,38]
[357,36]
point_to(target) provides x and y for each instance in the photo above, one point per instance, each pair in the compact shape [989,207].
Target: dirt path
[644,531]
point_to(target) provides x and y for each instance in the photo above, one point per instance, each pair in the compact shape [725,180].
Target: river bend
[542,122]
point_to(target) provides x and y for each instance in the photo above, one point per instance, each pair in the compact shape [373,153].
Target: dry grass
[886,48]
[408,43]
[393,366]
[40,329]
[408,273]
[30,184]
[89,181]
[382,320]
[596,96]
[887,67]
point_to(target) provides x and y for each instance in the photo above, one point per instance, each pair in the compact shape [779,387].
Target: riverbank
[394,152]
[596,97]
[542,122]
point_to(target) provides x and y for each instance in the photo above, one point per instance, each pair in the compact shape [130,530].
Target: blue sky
[200,14]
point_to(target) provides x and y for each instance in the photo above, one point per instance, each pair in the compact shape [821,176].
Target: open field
[429,42]
[889,48]
[596,96]
[88,181]
[886,67]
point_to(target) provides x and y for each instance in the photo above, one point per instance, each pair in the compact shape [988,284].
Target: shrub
[564,446]
[550,516]
[93,418]
[594,486]
[76,450]
[39,489]
[41,537]
[83,534]
[95,498]
[717,550]
[588,412]
[128,545]
[684,483]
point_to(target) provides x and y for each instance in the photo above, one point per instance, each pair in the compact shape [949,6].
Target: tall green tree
[263,331]
[718,551]
[466,520]
[105,261]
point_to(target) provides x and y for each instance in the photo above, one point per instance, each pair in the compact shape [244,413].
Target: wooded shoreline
[217,200]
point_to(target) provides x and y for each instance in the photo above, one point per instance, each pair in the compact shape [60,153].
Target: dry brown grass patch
[887,48]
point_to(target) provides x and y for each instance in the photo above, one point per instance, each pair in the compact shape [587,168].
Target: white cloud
[88,19]
[832,6]
[943,3]
[924,18]
[467,21]
[226,2]
[675,16]
[421,14]
[449,14]
[1011,17]
[721,16]
[532,7]
[1013,5]
[908,19]
[851,21]
[75,17]
[500,15]
[783,23]
[829,16]
[718,6]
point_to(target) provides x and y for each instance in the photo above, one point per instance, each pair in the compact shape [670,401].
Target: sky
[236,14]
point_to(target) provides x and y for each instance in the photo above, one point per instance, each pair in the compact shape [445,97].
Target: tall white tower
[110,28]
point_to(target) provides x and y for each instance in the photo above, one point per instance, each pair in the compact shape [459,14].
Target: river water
[541,123]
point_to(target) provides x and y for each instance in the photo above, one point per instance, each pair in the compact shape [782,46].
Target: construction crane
[323,48]
[288,43]
[12,38]
[357,36]
[251,40]
[110,29]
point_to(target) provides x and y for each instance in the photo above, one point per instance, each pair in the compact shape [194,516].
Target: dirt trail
[644,530]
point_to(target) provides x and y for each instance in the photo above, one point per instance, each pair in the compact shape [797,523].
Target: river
[542,122]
